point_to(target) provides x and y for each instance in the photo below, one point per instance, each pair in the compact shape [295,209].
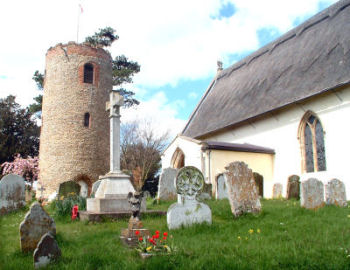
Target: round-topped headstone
[189,182]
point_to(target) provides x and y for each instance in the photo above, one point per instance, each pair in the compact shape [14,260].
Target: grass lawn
[290,238]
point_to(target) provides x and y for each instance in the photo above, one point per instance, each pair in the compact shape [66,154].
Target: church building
[284,110]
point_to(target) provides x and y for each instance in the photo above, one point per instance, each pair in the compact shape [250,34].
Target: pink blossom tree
[28,168]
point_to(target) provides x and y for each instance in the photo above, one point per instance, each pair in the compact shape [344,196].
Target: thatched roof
[311,59]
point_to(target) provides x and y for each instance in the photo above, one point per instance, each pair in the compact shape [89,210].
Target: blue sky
[177,44]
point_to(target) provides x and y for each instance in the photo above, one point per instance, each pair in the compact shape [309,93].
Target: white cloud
[192,95]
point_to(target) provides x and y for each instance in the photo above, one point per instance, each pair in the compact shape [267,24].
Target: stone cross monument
[112,194]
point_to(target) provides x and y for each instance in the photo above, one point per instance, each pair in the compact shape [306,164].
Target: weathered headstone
[166,187]
[206,192]
[68,187]
[335,193]
[84,189]
[312,194]
[221,189]
[293,187]
[95,187]
[188,211]
[35,224]
[259,181]
[277,191]
[242,190]
[12,193]
[46,252]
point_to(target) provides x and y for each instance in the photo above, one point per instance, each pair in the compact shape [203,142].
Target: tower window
[88,73]
[87,120]
[312,144]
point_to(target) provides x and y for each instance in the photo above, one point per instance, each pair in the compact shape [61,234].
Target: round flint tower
[74,141]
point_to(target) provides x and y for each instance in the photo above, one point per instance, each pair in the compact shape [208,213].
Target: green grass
[291,238]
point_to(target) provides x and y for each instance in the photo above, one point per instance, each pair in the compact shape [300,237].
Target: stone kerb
[188,211]
[277,191]
[12,193]
[166,186]
[312,194]
[36,223]
[335,193]
[242,190]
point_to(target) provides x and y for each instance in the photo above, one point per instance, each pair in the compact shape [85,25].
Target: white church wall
[191,149]
[279,130]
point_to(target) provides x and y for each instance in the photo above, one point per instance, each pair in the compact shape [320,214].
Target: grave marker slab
[221,188]
[36,223]
[277,191]
[312,194]
[335,193]
[293,187]
[189,184]
[46,252]
[68,187]
[242,190]
[12,193]
[166,186]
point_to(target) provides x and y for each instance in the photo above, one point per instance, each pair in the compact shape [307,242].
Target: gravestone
[277,191]
[84,189]
[312,194]
[335,193]
[206,192]
[242,190]
[68,187]
[166,187]
[12,193]
[259,181]
[188,211]
[293,187]
[221,188]
[46,252]
[36,223]
[95,187]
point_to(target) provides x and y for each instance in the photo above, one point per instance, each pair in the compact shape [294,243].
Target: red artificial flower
[156,236]
[137,232]
[157,232]
[164,238]
[165,234]
[140,239]
[152,241]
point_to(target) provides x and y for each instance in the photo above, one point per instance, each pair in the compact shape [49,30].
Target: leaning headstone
[335,193]
[46,252]
[12,193]
[166,187]
[68,187]
[188,211]
[277,191]
[221,189]
[95,187]
[35,224]
[293,187]
[242,190]
[312,194]
[84,189]
[259,181]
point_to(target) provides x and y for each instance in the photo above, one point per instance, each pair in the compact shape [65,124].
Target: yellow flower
[251,231]
[62,197]
[149,248]
[239,238]
[348,216]
[258,230]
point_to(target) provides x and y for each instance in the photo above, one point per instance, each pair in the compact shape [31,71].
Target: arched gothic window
[88,73]
[313,154]
[178,159]
[87,120]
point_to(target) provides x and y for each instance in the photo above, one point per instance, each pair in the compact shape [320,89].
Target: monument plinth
[112,194]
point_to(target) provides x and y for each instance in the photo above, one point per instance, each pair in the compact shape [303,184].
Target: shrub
[63,205]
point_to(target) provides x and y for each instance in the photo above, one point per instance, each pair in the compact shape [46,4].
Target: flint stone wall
[242,190]
[166,187]
[12,193]
[36,223]
[335,193]
[312,194]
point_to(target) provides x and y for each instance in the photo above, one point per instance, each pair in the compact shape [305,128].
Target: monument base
[110,205]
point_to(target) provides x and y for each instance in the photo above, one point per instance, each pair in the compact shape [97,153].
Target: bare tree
[141,148]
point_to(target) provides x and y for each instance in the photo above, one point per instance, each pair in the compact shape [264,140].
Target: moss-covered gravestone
[293,187]
[68,187]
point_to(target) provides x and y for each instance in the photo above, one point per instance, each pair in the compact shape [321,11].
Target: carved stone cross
[113,106]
